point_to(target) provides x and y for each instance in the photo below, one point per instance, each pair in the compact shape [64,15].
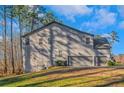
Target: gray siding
[56,42]
[70,43]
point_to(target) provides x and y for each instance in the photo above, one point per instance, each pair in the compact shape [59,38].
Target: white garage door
[78,61]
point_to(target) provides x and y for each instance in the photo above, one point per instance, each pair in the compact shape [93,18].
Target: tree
[24,14]
[48,17]
[19,13]
[9,14]
[32,14]
[26,17]
[5,55]
[12,58]
[113,37]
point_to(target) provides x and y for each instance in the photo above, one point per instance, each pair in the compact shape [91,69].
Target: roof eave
[57,23]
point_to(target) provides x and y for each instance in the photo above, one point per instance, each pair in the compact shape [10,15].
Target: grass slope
[67,76]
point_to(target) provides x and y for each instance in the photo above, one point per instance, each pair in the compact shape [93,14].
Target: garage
[101,60]
[78,61]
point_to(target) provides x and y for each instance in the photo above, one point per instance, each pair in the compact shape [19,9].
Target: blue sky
[94,19]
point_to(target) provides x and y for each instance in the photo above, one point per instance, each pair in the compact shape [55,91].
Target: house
[56,41]
[119,58]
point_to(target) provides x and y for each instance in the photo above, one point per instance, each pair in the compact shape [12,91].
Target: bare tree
[5,55]
[12,39]
[12,58]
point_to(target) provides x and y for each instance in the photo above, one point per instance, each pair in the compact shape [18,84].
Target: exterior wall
[103,55]
[37,55]
[56,42]
[103,52]
[81,61]
[70,43]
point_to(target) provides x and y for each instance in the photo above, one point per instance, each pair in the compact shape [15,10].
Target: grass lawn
[67,76]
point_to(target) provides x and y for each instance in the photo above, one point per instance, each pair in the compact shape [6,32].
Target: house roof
[27,34]
[101,42]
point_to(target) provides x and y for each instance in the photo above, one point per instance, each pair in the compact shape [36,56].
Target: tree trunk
[21,57]
[12,58]
[5,56]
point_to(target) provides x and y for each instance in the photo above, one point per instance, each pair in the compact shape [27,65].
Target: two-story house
[56,41]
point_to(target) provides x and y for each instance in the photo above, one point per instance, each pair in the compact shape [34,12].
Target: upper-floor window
[40,41]
[60,53]
[87,40]
[49,41]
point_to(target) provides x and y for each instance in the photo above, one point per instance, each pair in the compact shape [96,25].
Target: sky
[95,19]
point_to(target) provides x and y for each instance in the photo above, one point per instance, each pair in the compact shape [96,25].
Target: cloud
[121,25]
[106,17]
[121,10]
[106,35]
[102,18]
[70,12]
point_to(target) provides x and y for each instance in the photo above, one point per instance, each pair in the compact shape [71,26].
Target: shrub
[119,64]
[111,63]
[114,63]
[60,63]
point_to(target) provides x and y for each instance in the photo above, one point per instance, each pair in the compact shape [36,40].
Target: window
[27,41]
[49,40]
[40,41]
[87,40]
[60,53]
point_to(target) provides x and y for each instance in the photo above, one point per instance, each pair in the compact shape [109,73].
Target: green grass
[67,77]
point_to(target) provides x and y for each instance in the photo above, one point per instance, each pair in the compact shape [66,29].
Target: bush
[119,64]
[60,63]
[111,63]
[114,63]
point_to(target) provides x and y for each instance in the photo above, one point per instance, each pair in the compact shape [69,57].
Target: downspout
[51,47]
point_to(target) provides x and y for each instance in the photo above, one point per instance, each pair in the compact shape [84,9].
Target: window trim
[88,40]
[40,41]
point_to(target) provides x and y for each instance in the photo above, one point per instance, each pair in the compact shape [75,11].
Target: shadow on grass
[110,83]
[19,78]
[7,81]
[89,81]
[10,80]
[69,77]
